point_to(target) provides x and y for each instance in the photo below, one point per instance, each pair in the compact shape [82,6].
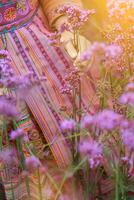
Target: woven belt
[15,14]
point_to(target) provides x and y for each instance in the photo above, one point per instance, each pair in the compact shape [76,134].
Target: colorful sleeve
[50,7]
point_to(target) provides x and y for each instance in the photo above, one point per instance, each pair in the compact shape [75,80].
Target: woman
[24,29]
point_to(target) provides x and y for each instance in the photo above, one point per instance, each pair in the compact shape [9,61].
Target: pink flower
[68,125]
[18,133]
[7,107]
[127,124]
[32,163]
[107,120]
[103,50]
[64,27]
[113,51]
[92,150]
[97,48]
[127,98]
[87,121]
[128,138]
[130,86]
[76,16]
[8,157]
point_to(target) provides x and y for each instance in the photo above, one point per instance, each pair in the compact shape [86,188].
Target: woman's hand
[67,38]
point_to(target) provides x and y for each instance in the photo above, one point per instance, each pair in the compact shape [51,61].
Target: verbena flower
[87,122]
[121,8]
[10,80]
[32,163]
[68,125]
[107,120]
[127,98]
[130,87]
[18,133]
[93,151]
[76,16]
[8,107]
[128,138]
[103,51]
[8,157]
[113,51]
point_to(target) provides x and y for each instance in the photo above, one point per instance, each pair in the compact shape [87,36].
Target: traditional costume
[25,26]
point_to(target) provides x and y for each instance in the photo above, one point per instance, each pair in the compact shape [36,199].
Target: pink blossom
[127,124]
[8,157]
[103,50]
[87,121]
[32,163]
[130,86]
[68,125]
[18,133]
[119,9]
[107,120]
[127,98]
[76,16]
[113,51]
[128,138]
[92,150]
[64,27]
[7,107]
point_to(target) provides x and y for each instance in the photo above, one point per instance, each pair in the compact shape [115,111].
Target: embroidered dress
[25,29]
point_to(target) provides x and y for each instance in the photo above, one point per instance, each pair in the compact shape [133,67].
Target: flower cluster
[68,125]
[8,156]
[127,97]
[8,106]
[17,134]
[10,80]
[128,138]
[32,163]
[103,51]
[76,16]
[121,9]
[72,78]
[93,151]
[104,120]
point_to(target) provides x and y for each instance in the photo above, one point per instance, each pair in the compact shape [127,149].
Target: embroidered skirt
[30,50]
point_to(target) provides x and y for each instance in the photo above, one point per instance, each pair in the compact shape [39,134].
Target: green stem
[117,184]
[39,185]
[66,176]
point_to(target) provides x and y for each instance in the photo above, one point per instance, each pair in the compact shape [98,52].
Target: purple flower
[68,125]
[113,51]
[128,138]
[18,133]
[103,51]
[8,157]
[97,49]
[107,120]
[76,16]
[125,125]
[92,150]
[127,98]
[7,107]
[130,86]
[87,121]
[32,163]
[64,27]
